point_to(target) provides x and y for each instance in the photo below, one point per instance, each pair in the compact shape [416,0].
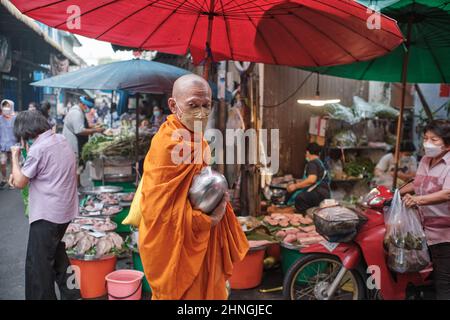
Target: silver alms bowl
[207,190]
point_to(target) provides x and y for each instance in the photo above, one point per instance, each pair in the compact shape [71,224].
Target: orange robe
[183,257]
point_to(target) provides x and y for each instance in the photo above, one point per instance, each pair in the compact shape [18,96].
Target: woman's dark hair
[441,128]
[406,146]
[44,109]
[314,148]
[30,124]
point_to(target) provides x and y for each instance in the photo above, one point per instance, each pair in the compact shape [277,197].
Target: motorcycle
[356,270]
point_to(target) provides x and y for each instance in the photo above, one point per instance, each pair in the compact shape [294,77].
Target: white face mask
[6,111]
[188,118]
[432,150]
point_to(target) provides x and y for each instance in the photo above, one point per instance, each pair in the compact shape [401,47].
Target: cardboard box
[318,126]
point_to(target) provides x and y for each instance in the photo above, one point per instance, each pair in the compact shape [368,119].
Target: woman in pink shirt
[431,188]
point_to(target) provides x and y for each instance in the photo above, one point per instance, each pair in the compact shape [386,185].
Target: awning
[30,23]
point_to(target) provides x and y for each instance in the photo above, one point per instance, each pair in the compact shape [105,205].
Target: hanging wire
[291,95]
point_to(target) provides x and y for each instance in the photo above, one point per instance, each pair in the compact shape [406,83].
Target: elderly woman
[50,171]
[431,188]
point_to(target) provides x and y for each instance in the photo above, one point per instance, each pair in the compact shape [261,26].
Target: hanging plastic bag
[363,109]
[340,112]
[405,238]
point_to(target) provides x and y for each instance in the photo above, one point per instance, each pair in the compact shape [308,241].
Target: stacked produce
[94,224]
[291,228]
[93,206]
[122,145]
[108,199]
[362,167]
[360,110]
[89,243]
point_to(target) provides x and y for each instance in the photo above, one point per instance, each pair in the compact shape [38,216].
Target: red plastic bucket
[274,250]
[91,275]
[124,285]
[248,273]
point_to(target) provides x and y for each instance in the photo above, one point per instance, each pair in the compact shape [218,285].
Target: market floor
[13,243]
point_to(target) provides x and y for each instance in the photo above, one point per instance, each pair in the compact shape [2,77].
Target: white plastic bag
[405,238]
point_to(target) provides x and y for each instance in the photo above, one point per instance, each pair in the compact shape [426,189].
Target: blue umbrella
[134,76]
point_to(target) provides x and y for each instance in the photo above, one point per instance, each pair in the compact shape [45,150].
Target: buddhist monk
[186,253]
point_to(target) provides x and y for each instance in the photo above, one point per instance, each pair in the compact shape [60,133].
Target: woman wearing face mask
[431,189]
[7,139]
[157,119]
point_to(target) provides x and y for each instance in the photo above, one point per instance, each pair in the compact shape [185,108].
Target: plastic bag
[363,109]
[385,112]
[345,138]
[340,112]
[135,214]
[405,238]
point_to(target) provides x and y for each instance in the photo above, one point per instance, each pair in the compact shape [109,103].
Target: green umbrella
[429,45]
[424,58]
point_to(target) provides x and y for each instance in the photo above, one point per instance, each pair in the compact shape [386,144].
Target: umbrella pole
[208,60]
[402,105]
[137,136]
[110,108]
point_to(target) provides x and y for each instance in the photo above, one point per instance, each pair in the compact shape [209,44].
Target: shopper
[50,172]
[45,109]
[430,193]
[157,119]
[384,170]
[7,139]
[76,129]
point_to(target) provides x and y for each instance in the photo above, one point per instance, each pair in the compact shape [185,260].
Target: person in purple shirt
[50,172]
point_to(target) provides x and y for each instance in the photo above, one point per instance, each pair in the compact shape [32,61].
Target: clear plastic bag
[340,112]
[385,112]
[345,138]
[363,109]
[405,238]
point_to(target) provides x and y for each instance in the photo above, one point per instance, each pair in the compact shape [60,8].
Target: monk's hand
[218,213]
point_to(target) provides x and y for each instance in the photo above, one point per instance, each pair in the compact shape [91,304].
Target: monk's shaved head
[191,100]
[185,84]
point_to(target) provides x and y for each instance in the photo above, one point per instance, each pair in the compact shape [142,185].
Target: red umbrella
[294,33]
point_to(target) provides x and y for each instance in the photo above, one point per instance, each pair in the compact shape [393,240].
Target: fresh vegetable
[122,145]
[361,167]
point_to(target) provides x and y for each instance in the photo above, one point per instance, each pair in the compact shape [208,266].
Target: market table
[127,187]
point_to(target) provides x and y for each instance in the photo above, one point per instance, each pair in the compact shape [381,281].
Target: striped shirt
[436,217]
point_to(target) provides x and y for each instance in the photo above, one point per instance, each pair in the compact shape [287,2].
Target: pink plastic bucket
[124,285]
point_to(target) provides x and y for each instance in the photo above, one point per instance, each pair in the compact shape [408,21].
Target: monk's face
[191,103]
